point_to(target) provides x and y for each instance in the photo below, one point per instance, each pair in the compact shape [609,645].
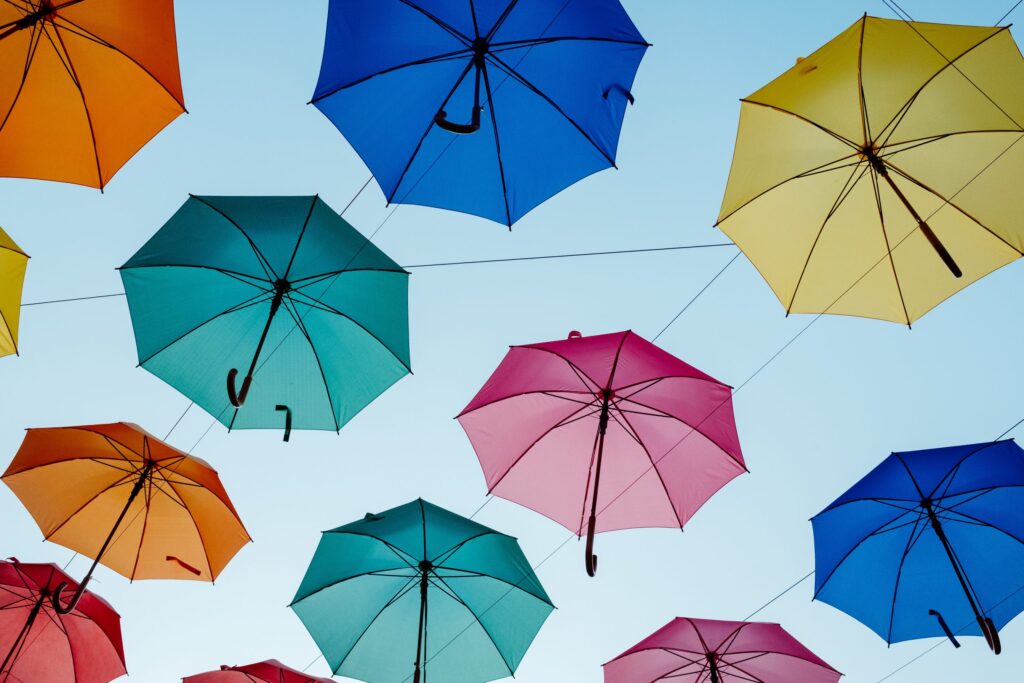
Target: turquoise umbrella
[281,289]
[421,594]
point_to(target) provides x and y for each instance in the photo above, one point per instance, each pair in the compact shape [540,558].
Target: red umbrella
[604,433]
[40,645]
[270,671]
[708,651]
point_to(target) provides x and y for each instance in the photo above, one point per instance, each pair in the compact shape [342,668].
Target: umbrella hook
[602,428]
[480,48]
[623,90]
[237,398]
[945,628]
[287,420]
[55,598]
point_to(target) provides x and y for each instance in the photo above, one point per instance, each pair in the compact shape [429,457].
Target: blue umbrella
[929,543]
[488,107]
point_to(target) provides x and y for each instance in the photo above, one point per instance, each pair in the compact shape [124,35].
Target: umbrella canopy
[879,176]
[489,107]
[84,85]
[270,671]
[40,644]
[929,543]
[13,262]
[121,496]
[710,651]
[604,433]
[420,591]
[285,290]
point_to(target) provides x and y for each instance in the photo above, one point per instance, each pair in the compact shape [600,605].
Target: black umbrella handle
[988,628]
[591,557]
[945,628]
[287,420]
[628,95]
[237,398]
[441,119]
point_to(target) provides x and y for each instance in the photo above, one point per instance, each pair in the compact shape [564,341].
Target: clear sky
[832,406]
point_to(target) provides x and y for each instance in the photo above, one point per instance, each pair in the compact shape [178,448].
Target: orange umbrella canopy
[84,84]
[77,482]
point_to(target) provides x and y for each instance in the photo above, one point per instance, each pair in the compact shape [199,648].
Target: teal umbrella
[421,594]
[281,289]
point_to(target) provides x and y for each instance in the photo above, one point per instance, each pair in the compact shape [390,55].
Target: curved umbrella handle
[62,609]
[988,628]
[287,420]
[624,91]
[591,557]
[238,398]
[945,628]
[441,119]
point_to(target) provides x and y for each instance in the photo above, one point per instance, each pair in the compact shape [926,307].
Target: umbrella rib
[952,63]
[147,505]
[890,150]
[260,298]
[846,141]
[293,312]
[199,533]
[90,501]
[536,42]
[951,203]
[579,371]
[888,247]
[402,592]
[951,475]
[493,111]
[912,540]
[446,555]
[535,90]
[865,124]
[437,59]
[320,277]
[455,33]
[88,35]
[508,10]
[298,241]
[331,309]
[845,192]
[693,428]
[69,65]
[430,127]
[977,521]
[34,39]
[476,618]
[263,261]
[654,465]
[245,278]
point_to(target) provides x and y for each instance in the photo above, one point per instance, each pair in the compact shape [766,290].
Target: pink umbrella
[270,671]
[561,420]
[704,650]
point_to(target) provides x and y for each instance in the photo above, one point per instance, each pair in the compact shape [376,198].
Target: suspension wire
[698,294]
[769,603]
[1009,12]
[79,298]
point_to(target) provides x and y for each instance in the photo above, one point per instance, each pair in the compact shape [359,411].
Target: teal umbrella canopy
[265,310]
[421,594]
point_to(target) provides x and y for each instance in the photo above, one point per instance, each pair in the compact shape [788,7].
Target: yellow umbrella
[881,175]
[12,277]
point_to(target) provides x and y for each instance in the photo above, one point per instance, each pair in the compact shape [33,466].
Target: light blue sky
[834,404]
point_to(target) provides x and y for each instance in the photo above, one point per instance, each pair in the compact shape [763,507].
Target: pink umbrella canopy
[709,651]
[604,433]
[270,671]
[38,645]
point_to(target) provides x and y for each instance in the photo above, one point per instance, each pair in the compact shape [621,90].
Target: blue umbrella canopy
[487,107]
[420,593]
[929,543]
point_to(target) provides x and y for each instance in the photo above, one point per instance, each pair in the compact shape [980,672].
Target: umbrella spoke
[912,540]
[289,305]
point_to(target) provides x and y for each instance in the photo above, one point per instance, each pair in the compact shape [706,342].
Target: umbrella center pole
[602,429]
[45,11]
[16,647]
[73,603]
[237,398]
[419,674]
[987,626]
[713,667]
[871,154]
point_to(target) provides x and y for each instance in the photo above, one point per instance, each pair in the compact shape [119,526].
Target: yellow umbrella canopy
[12,277]
[881,175]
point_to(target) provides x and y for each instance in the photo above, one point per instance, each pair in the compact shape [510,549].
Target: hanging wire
[79,298]
[1009,12]
[697,295]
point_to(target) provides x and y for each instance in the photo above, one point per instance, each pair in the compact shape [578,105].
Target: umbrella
[488,108]
[121,496]
[13,262]
[711,651]
[270,671]
[84,85]
[560,422]
[879,176]
[418,590]
[282,287]
[39,644]
[929,543]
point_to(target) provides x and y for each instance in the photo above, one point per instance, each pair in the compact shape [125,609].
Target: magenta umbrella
[709,651]
[604,433]
[270,671]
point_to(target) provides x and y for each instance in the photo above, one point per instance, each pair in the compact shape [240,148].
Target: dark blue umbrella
[929,543]
[488,107]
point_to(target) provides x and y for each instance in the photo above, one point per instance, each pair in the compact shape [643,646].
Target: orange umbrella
[84,84]
[124,498]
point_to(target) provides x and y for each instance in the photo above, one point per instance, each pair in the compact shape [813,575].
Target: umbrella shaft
[274,306]
[422,634]
[602,428]
[17,644]
[941,533]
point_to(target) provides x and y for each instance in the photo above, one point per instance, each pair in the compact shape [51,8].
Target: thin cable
[545,257]
[1009,12]
[353,200]
[80,298]
[698,295]
[178,422]
[767,604]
